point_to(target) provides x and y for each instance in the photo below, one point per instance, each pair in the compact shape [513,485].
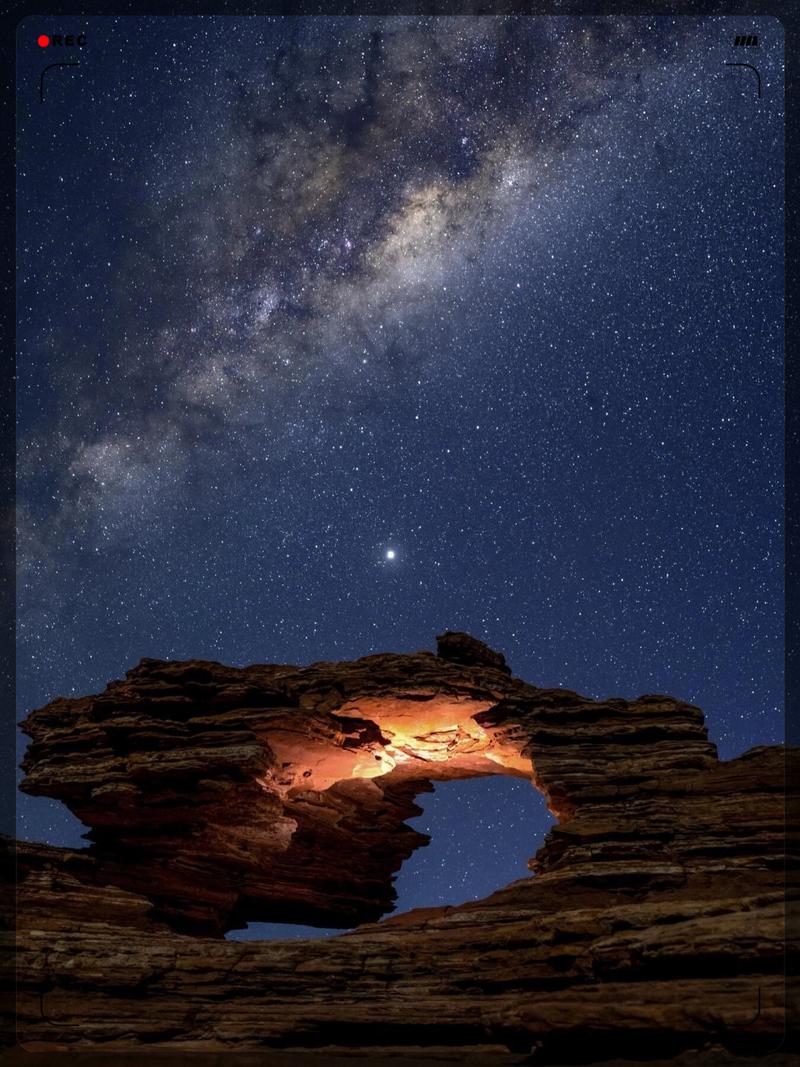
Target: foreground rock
[219,796]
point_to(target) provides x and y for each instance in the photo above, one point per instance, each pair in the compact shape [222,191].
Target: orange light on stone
[419,735]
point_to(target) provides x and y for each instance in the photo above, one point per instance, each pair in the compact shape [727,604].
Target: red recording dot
[43,40]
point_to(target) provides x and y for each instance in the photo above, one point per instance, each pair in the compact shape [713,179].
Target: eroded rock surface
[220,795]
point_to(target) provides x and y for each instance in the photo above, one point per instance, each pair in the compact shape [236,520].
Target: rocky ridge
[218,796]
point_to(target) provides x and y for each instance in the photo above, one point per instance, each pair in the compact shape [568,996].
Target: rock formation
[218,796]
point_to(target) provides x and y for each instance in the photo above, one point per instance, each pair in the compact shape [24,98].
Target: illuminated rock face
[219,796]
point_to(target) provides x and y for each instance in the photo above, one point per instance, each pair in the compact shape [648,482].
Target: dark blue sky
[501,296]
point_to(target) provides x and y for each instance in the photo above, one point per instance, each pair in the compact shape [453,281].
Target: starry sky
[338,332]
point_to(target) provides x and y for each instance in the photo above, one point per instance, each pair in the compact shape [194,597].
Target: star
[390,553]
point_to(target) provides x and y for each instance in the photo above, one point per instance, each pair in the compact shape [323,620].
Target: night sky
[336,333]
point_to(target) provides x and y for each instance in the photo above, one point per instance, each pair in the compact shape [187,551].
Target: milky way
[346,331]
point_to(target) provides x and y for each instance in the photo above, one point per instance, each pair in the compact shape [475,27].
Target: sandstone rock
[220,795]
[463,648]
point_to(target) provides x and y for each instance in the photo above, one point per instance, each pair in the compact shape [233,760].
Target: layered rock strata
[218,796]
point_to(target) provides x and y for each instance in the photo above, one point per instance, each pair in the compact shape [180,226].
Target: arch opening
[486,817]
[483,833]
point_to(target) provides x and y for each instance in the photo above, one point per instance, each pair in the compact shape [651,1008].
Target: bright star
[390,553]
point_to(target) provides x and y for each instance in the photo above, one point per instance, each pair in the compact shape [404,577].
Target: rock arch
[265,793]
[220,795]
